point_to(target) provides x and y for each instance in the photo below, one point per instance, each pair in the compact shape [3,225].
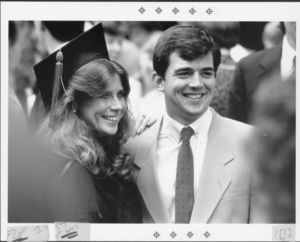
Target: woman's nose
[116,104]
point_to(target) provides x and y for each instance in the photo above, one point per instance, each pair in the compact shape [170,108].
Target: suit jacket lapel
[213,180]
[147,180]
[269,65]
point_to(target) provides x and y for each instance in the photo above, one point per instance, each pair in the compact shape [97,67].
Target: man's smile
[194,96]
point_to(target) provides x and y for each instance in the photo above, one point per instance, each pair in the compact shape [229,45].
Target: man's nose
[196,81]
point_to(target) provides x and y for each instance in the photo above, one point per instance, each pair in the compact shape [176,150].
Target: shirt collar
[172,128]
[287,54]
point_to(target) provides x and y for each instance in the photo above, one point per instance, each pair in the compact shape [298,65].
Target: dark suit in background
[250,73]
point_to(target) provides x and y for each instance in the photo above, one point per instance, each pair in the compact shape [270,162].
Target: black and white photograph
[175,122]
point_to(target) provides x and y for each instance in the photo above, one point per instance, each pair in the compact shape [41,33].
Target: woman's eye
[121,94]
[105,96]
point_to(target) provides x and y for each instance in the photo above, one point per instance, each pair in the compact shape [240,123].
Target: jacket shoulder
[233,128]
[257,57]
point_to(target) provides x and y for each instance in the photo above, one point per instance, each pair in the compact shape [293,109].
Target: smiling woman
[88,123]
[102,103]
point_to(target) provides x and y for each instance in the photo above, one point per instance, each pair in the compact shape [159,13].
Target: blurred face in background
[272,35]
[145,60]
[23,55]
[114,46]
[42,41]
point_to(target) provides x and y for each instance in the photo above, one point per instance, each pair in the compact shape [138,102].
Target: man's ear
[159,81]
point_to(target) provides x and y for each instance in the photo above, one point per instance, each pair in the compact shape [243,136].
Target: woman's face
[103,114]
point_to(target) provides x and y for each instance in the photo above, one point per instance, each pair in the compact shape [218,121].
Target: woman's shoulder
[76,172]
[77,192]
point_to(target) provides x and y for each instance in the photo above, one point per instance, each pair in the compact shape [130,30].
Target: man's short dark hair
[189,41]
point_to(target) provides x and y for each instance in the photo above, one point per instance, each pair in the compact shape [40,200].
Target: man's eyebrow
[183,69]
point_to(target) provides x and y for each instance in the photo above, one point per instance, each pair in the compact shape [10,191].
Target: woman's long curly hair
[73,139]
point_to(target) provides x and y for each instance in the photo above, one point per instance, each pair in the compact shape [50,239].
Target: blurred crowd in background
[132,44]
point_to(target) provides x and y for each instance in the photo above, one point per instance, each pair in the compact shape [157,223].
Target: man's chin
[192,115]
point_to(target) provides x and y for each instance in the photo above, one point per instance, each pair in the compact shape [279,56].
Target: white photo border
[131,11]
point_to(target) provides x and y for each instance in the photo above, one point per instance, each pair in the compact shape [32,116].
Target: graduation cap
[64,30]
[54,71]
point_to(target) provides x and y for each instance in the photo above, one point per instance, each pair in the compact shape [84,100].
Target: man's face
[189,87]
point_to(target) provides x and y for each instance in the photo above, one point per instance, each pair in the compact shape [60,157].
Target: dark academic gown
[84,197]
[44,189]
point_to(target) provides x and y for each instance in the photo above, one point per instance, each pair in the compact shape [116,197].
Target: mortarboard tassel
[56,86]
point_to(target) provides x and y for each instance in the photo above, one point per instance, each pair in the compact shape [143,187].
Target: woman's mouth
[111,118]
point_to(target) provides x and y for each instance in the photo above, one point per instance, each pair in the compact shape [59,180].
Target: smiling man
[190,164]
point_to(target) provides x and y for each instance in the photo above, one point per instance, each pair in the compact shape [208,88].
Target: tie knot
[186,133]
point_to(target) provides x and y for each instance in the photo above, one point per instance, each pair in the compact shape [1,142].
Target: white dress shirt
[167,152]
[287,57]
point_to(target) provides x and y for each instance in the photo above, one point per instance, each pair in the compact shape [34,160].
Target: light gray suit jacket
[223,195]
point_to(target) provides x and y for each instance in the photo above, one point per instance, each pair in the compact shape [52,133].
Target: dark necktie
[184,193]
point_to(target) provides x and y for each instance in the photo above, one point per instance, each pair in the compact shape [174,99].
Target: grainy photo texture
[151,122]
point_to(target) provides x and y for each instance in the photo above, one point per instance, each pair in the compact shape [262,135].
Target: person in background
[249,40]
[51,36]
[22,56]
[54,34]
[272,35]
[273,156]
[88,123]
[189,166]
[14,101]
[31,178]
[146,34]
[153,100]
[145,63]
[275,64]
[121,49]
[139,32]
